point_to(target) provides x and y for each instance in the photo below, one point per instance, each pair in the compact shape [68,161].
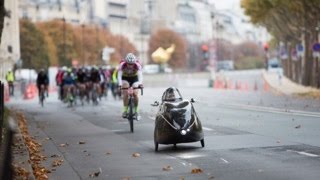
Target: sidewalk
[283,85]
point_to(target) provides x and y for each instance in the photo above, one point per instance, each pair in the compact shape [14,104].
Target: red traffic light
[266,46]
[204,47]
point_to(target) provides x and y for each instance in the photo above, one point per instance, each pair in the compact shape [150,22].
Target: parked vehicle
[226,65]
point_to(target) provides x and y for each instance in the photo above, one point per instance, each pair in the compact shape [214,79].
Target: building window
[10,49]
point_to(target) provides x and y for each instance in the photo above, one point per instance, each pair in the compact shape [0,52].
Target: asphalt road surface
[248,135]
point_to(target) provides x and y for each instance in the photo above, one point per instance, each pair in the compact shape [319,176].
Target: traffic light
[205,51]
[266,47]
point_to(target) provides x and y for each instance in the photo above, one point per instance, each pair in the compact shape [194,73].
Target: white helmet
[131,58]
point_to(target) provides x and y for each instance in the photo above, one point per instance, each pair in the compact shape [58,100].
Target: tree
[34,51]
[122,47]
[248,55]
[62,35]
[165,38]
[288,20]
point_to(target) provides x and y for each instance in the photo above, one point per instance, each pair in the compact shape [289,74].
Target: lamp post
[82,45]
[64,39]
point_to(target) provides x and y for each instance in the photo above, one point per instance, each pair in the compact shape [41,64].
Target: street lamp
[82,45]
[64,39]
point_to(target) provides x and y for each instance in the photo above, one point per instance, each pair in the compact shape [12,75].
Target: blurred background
[168,36]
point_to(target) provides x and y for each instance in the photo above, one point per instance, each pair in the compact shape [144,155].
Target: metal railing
[8,127]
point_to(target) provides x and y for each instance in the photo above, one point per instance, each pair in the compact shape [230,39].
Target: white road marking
[207,129]
[272,110]
[304,153]
[117,130]
[225,161]
[190,155]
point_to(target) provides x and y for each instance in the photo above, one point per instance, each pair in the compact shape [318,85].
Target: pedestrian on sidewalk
[10,79]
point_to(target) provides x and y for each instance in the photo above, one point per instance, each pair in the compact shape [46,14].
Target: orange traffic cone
[29,93]
[265,86]
[6,94]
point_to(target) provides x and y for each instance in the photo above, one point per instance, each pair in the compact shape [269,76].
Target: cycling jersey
[68,79]
[95,77]
[42,79]
[81,77]
[130,72]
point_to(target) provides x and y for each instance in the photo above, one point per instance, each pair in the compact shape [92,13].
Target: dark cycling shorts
[130,80]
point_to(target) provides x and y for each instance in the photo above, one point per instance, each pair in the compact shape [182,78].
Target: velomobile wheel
[156,146]
[202,142]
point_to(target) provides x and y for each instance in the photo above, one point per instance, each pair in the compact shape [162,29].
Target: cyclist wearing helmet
[68,84]
[42,80]
[130,75]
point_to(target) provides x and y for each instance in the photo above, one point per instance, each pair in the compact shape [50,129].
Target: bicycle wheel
[42,99]
[130,115]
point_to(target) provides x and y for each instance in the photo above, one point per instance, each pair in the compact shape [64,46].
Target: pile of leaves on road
[312,94]
[34,148]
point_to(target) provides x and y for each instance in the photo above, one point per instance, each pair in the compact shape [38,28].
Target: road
[248,135]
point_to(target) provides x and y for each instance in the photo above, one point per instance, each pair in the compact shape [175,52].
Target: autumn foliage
[59,43]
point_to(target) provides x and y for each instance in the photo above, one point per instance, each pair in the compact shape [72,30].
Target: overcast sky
[226,4]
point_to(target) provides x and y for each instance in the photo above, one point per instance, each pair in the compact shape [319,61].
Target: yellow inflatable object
[162,55]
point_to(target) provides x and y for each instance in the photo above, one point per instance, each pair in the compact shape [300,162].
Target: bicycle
[95,94]
[130,115]
[42,95]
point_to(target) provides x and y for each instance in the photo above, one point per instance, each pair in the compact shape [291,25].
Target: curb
[302,89]
[25,157]
[272,88]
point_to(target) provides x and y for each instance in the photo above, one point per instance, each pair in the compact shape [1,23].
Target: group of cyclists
[93,82]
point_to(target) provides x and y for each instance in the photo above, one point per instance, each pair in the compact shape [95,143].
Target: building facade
[10,41]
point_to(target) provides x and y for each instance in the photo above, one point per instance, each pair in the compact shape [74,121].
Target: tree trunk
[307,62]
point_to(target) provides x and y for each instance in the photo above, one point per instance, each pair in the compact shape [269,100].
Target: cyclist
[68,85]
[95,79]
[114,83]
[42,80]
[81,82]
[130,75]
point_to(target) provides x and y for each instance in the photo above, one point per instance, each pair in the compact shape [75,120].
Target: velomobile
[176,120]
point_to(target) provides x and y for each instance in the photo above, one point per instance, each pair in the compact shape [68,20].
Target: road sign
[106,53]
[300,50]
[316,47]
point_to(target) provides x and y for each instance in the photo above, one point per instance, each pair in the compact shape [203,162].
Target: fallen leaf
[181,178]
[211,177]
[135,155]
[57,162]
[196,171]
[55,155]
[82,142]
[95,174]
[48,139]
[167,168]
[297,127]
[64,145]
[126,178]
